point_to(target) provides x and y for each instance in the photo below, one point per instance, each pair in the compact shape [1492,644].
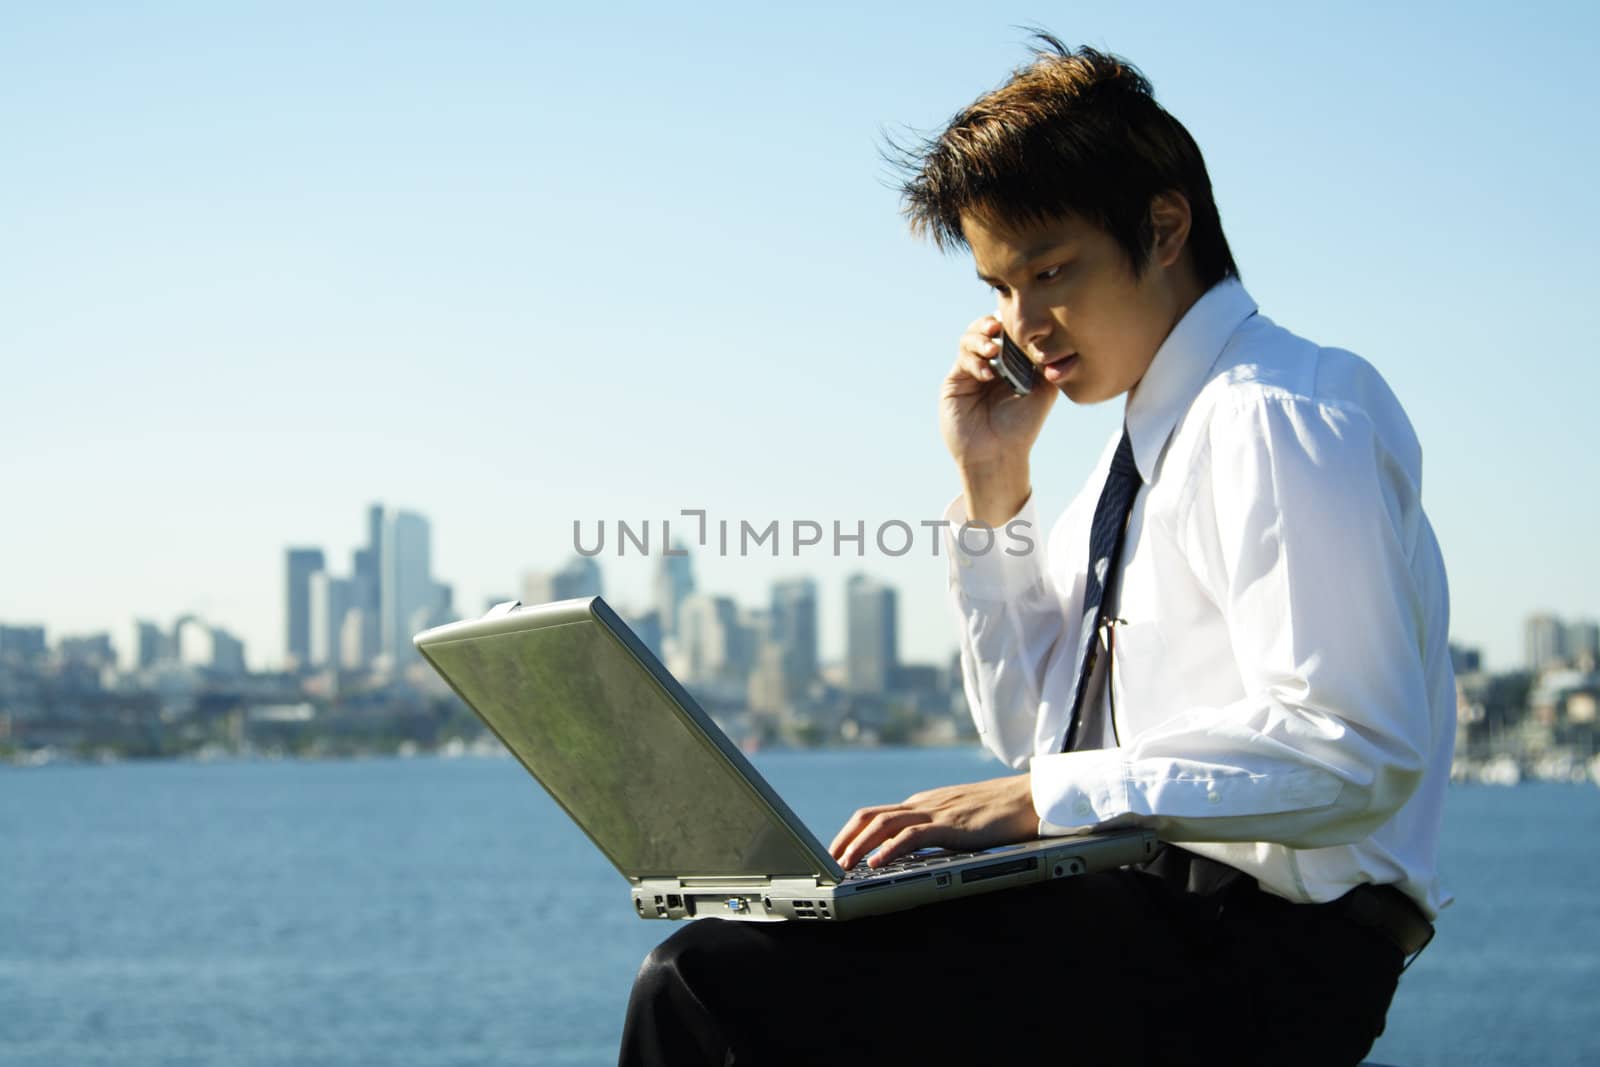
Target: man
[1235,635]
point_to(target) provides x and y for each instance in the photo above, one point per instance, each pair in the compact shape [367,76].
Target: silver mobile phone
[1014,367]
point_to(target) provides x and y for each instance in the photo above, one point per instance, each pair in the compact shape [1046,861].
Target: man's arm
[1304,529]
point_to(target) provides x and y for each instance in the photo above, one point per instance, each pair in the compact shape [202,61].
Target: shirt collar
[1181,366]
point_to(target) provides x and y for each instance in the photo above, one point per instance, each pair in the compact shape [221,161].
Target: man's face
[1067,296]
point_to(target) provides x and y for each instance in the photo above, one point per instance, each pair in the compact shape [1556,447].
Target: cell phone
[1014,367]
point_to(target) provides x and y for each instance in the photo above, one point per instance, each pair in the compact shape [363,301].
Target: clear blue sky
[512,265]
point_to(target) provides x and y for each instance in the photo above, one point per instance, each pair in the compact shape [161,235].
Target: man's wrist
[995,493]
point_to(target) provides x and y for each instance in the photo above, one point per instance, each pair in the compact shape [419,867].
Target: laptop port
[999,870]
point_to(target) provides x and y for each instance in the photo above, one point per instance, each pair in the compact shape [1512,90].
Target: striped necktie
[1106,535]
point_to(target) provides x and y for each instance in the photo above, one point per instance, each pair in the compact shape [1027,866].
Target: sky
[514,266]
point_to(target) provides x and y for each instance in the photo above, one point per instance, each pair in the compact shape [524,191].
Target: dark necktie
[1106,535]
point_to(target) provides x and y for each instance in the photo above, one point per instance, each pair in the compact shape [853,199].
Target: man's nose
[1032,323]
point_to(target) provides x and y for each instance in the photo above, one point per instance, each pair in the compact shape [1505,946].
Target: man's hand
[988,428]
[979,815]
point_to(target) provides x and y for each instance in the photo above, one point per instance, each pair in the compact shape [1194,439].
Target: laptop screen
[604,734]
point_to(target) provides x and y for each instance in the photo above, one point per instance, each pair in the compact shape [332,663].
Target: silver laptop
[673,804]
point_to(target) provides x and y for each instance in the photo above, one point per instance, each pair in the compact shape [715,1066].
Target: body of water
[432,912]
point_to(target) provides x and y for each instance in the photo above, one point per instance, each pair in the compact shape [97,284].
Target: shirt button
[1214,797]
[964,561]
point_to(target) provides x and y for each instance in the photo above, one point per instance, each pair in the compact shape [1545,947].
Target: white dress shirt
[1281,697]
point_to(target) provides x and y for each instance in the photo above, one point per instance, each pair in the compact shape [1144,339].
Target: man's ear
[1169,224]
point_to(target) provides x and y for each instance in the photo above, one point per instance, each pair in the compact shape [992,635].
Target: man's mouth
[1058,367]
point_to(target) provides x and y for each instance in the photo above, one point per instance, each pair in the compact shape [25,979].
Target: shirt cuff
[994,564]
[1074,791]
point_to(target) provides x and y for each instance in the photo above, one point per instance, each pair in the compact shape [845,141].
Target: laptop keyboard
[937,857]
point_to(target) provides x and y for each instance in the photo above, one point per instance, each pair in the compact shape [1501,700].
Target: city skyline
[241,298]
[1547,638]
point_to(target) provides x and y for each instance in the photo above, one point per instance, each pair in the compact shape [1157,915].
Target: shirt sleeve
[1301,526]
[1015,631]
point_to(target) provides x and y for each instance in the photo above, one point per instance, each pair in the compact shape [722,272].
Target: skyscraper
[872,631]
[366,588]
[300,565]
[674,582]
[1543,641]
[1582,639]
[330,604]
[710,639]
[408,597]
[579,577]
[148,645]
[793,628]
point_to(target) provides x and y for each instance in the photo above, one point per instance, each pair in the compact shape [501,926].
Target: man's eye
[998,288]
[1049,275]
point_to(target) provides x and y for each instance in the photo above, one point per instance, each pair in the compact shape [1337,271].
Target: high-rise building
[227,653]
[648,629]
[366,593]
[148,646]
[407,592]
[20,644]
[709,639]
[793,628]
[872,632]
[330,604]
[1582,639]
[579,577]
[1544,641]
[89,650]
[300,565]
[674,582]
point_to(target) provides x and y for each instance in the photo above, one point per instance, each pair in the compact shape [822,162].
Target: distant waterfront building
[227,653]
[794,630]
[1582,640]
[407,593]
[768,690]
[1465,660]
[89,650]
[149,645]
[674,582]
[366,592]
[872,654]
[648,629]
[299,566]
[21,644]
[202,646]
[709,639]
[1544,642]
[919,678]
[580,577]
[330,606]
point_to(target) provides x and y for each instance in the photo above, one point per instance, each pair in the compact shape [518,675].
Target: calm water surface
[433,912]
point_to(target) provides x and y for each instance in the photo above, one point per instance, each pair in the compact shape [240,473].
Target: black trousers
[1120,967]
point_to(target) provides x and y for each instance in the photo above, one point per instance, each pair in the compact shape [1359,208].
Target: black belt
[1390,912]
[1383,909]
